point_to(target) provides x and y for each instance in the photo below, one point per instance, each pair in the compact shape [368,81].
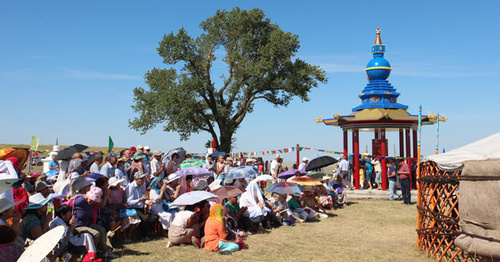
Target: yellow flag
[35,141]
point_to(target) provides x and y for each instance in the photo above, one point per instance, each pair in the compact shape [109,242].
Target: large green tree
[260,63]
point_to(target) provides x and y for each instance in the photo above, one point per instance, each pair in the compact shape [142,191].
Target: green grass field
[366,230]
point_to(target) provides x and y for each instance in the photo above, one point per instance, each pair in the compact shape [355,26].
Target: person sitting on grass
[298,210]
[184,228]
[216,233]
[9,251]
[338,185]
[36,219]
[279,209]
[257,211]
[309,201]
[322,197]
[235,213]
[73,243]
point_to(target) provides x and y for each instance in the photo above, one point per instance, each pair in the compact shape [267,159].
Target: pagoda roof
[371,118]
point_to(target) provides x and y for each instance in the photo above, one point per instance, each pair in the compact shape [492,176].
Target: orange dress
[214,234]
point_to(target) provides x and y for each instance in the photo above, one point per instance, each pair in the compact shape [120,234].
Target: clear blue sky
[67,69]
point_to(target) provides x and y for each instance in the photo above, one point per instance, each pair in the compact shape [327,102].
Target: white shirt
[344,165]
[181,218]
[95,168]
[302,166]
[155,166]
[274,164]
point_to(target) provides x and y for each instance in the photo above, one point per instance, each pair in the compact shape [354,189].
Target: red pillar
[298,156]
[355,149]
[415,156]
[383,160]
[346,146]
[408,151]
[401,144]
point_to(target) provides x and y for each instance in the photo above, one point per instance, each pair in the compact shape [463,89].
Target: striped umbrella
[306,181]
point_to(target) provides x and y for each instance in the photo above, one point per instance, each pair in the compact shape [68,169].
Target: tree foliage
[260,62]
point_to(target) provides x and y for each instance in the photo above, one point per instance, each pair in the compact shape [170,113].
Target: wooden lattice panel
[439,214]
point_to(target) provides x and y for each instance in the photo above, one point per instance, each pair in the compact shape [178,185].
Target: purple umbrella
[290,173]
[194,171]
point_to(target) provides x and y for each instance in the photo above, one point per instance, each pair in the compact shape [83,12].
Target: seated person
[157,195]
[216,233]
[36,219]
[86,218]
[136,198]
[119,205]
[73,243]
[235,214]
[322,197]
[338,185]
[253,199]
[309,201]
[184,228]
[279,209]
[9,251]
[298,210]
[203,210]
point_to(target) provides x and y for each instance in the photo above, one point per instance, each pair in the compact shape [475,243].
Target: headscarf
[154,184]
[74,165]
[216,212]
[252,192]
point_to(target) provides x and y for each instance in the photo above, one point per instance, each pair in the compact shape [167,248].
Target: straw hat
[114,181]
[6,204]
[37,201]
[325,178]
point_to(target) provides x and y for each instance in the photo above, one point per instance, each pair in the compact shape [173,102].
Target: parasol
[69,151]
[227,191]
[242,172]
[8,176]
[193,197]
[306,181]
[194,171]
[284,188]
[290,173]
[320,162]
[43,245]
[192,163]
[180,151]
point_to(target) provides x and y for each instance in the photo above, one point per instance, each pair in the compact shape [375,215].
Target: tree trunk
[225,140]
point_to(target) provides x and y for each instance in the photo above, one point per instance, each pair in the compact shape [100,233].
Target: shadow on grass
[351,203]
[130,252]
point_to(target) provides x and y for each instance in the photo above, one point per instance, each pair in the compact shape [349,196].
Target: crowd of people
[102,200]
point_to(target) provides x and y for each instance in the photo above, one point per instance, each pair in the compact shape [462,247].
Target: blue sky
[67,69]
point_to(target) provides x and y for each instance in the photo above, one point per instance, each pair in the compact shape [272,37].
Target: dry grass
[366,230]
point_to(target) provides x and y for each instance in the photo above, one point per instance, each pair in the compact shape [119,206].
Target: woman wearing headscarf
[216,233]
[156,196]
[253,199]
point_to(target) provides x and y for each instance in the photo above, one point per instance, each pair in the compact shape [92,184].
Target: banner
[35,141]
[111,144]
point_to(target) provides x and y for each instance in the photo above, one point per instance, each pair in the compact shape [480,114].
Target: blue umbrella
[242,172]
[194,171]
[290,173]
[193,197]
[217,154]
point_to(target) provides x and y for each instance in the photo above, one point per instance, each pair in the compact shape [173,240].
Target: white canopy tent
[486,148]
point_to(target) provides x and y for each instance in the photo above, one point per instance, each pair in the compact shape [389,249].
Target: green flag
[111,144]
[35,141]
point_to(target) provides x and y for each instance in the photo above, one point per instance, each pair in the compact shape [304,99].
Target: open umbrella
[264,178]
[8,176]
[217,154]
[194,171]
[43,245]
[290,173]
[320,162]
[193,197]
[180,151]
[192,163]
[242,172]
[284,188]
[316,174]
[227,191]
[69,151]
[306,181]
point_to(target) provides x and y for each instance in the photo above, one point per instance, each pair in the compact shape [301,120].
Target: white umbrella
[43,245]
[193,197]
[8,175]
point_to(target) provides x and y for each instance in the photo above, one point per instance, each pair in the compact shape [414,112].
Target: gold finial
[378,41]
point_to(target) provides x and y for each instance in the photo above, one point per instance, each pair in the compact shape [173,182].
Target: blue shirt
[108,170]
[391,170]
[133,193]
[369,167]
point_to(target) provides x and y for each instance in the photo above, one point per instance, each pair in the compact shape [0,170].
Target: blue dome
[378,69]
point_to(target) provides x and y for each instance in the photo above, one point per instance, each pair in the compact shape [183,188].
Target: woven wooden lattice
[438,214]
